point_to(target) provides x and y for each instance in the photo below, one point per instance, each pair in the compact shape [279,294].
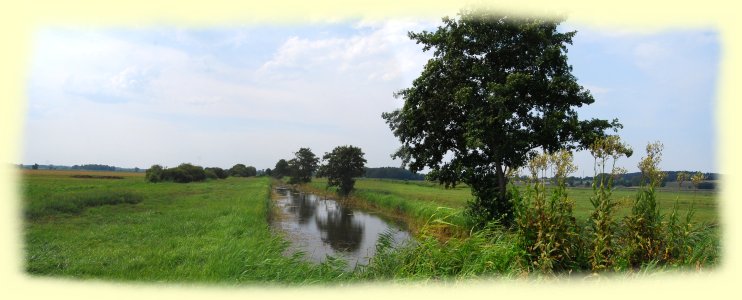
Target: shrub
[184,173]
[153,174]
[240,170]
[196,173]
[210,174]
[176,175]
[219,172]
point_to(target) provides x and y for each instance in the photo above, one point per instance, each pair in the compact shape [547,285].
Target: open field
[420,198]
[214,231]
[217,231]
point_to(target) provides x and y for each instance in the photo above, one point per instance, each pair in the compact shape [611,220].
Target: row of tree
[341,166]
[87,167]
[673,178]
[93,167]
[186,172]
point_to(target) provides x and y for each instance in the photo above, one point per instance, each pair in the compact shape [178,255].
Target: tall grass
[74,203]
[207,232]
[491,251]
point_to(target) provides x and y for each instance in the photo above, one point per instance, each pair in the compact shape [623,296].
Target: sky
[218,96]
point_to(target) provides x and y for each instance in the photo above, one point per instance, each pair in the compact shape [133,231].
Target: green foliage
[210,174]
[487,252]
[605,151]
[644,236]
[219,172]
[196,173]
[153,174]
[546,227]
[240,170]
[497,88]
[281,169]
[183,173]
[344,163]
[302,166]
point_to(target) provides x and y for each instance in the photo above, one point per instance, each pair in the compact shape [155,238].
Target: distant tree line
[86,167]
[635,179]
[392,173]
[93,167]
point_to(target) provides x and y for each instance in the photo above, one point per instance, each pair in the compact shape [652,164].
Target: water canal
[321,226]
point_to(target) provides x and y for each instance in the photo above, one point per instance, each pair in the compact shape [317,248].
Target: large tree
[343,164]
[497,89]
[238,170]
[302,166]
[281,169]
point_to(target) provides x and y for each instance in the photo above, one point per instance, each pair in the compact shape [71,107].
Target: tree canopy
[343,164]
[302,166]
[240,170]
[497,89]
[281,169]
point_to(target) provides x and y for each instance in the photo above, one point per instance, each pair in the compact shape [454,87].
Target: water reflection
[340,229]
[303,207]
[321,227]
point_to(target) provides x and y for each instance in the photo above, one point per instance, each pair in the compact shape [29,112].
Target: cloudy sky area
[255,94]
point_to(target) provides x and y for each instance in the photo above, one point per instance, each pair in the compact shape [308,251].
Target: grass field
[214,231]
[217,231]
[420,199]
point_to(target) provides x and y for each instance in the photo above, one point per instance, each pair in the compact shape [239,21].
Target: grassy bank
[214,231]
[420,199]
[418,205]
[495,251]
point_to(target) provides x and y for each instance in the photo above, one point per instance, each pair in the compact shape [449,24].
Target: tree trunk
[501,182]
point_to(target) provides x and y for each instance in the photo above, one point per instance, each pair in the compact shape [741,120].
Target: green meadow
[213,231]
[421,199]
[217,231]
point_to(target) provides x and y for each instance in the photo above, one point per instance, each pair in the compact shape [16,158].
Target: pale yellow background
[20,20]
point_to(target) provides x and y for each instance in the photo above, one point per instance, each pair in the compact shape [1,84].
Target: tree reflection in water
[323,227]
[339,229]
[304,206]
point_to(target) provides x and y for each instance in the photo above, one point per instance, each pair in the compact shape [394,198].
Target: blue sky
[255,94]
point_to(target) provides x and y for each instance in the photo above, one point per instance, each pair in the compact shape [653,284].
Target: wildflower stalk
[604,151]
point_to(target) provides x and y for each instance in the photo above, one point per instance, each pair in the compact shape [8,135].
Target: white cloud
[382,51]
[180,100]
[649,55]
[196,99]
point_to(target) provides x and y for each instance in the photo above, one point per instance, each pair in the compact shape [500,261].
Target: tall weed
[602,228]
[546,227]
[644,240]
